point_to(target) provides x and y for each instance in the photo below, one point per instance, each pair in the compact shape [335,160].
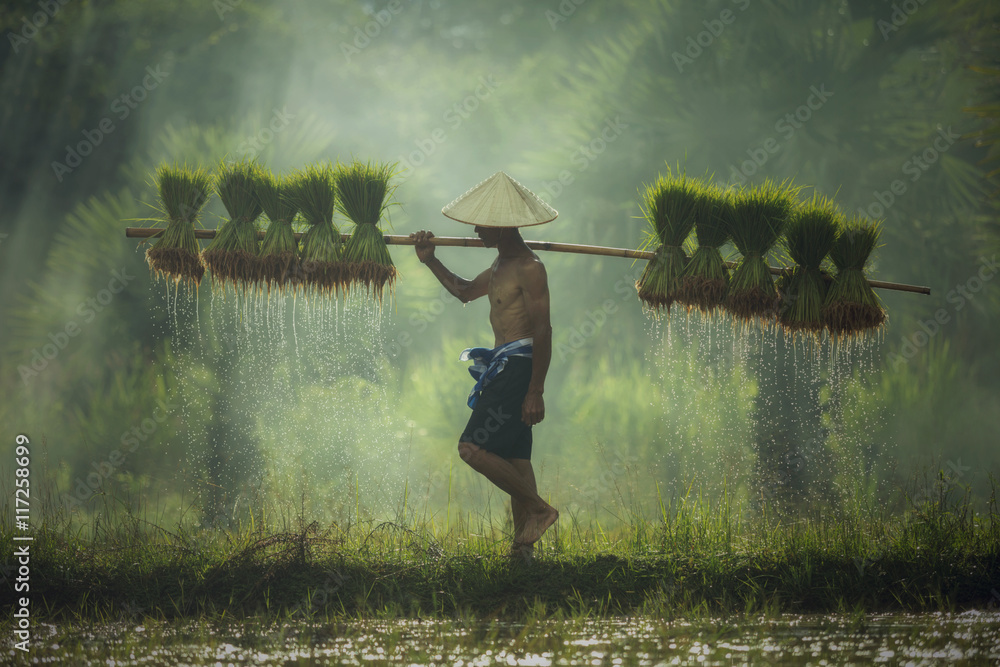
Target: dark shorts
[495,424]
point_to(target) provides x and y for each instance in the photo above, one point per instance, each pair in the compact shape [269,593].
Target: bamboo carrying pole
[471,242]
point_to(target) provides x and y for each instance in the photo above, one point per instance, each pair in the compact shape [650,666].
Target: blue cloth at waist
[488,363]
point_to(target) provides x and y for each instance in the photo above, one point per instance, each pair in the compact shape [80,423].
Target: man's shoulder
[529,263]
[531,269]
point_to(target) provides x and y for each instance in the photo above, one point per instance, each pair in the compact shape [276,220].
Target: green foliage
[759,216]
[276,200]
[238,184]
[811,231]
[710,227]
[672,204]
[183,191]
[363,191]
[314,191]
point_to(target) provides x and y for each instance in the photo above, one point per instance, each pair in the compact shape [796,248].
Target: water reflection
[971,637]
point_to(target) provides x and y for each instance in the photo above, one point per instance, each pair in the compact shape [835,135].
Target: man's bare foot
[537,523]
[522,552]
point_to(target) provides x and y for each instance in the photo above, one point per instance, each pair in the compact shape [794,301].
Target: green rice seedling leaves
[363,197]
[705,281]
[808,239]
[669,206]
[279,252]
[232,256]
[314,191]
[758,218]
[852,308]
[183,194]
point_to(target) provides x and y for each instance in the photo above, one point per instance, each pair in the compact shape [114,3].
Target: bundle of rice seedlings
[852,308]
[809,237]
[705,281]
[758,218]
[232,256]
[183,193]
[362,195]
[279,252]
[669,206]
[314,192]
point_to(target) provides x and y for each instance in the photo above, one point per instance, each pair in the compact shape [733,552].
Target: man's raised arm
[535,288]
[462,289]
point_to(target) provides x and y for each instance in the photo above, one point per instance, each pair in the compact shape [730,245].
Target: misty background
[221,405]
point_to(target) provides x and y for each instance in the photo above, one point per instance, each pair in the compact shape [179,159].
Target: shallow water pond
[971,638]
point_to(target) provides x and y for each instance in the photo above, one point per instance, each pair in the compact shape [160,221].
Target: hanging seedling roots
[660,282]
[802,292]
[321,277]
[704,294]
[374,277]
[322,269]
[178,264]
[238,267]
[752,293]
[705,281]
[846,319]
[753,304]
[277,270]
[852,308]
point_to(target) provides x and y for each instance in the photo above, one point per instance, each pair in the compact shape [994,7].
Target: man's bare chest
[505,290]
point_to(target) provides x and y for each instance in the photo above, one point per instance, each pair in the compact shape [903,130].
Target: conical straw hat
[500,201]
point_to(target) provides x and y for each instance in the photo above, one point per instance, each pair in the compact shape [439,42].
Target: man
[507,399]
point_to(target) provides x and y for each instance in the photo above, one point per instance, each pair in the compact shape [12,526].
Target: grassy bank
[692,558]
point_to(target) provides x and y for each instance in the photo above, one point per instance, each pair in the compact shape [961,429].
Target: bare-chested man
[497,440]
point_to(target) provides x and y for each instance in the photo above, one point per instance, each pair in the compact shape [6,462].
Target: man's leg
[539,514]
[517,508]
